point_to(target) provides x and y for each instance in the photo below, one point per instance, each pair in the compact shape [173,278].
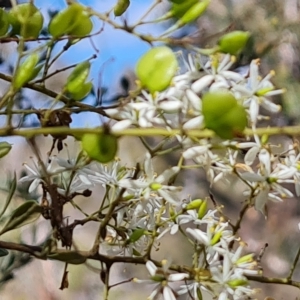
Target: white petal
[171,199]
[170,106]
[193,99]
[198,235]
[265,159]
[34,185]
[167,174]
[174,229]
[253,177]
[121,125]
[128,183]
[168,293]
[194,151]
[151,267]
[177,276]
[251,155]
[195,123]
[202,83]
[261,200]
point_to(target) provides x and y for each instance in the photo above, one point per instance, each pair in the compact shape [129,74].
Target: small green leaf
[157,68]
[70,257]
[3,252]
[5,147]
[223,114]
[136,235]
[233,42]
[136,252]
[26,213]
[26,71]
[11,192]
[78,77]
[100,147]
[121,7]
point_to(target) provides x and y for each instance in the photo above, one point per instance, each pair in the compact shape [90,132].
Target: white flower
[162,278]
[267,181]
[109,174]
[150,183]
[218,72]
[291,161]
[212,237]
[256,91]
[37,174]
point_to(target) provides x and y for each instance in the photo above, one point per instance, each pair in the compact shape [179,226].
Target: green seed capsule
[223,114]
[216,238]
[26,71]
[73,20]
[78,77]
[194,12]
[233,42]
[100,147]
[195,204]
[178,9]
[121,7]
[237,282]
[82,92]
[157,68]
[202,209]
[26,20]
[177,1]
[4,22]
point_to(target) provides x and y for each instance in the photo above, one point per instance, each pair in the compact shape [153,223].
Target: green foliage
[136,235]
[26,213]
[12,189]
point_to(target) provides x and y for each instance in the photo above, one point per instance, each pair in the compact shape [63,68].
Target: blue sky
[121,49]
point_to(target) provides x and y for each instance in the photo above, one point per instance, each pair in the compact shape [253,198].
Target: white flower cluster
[180,104]
[147,205]
[217,268]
